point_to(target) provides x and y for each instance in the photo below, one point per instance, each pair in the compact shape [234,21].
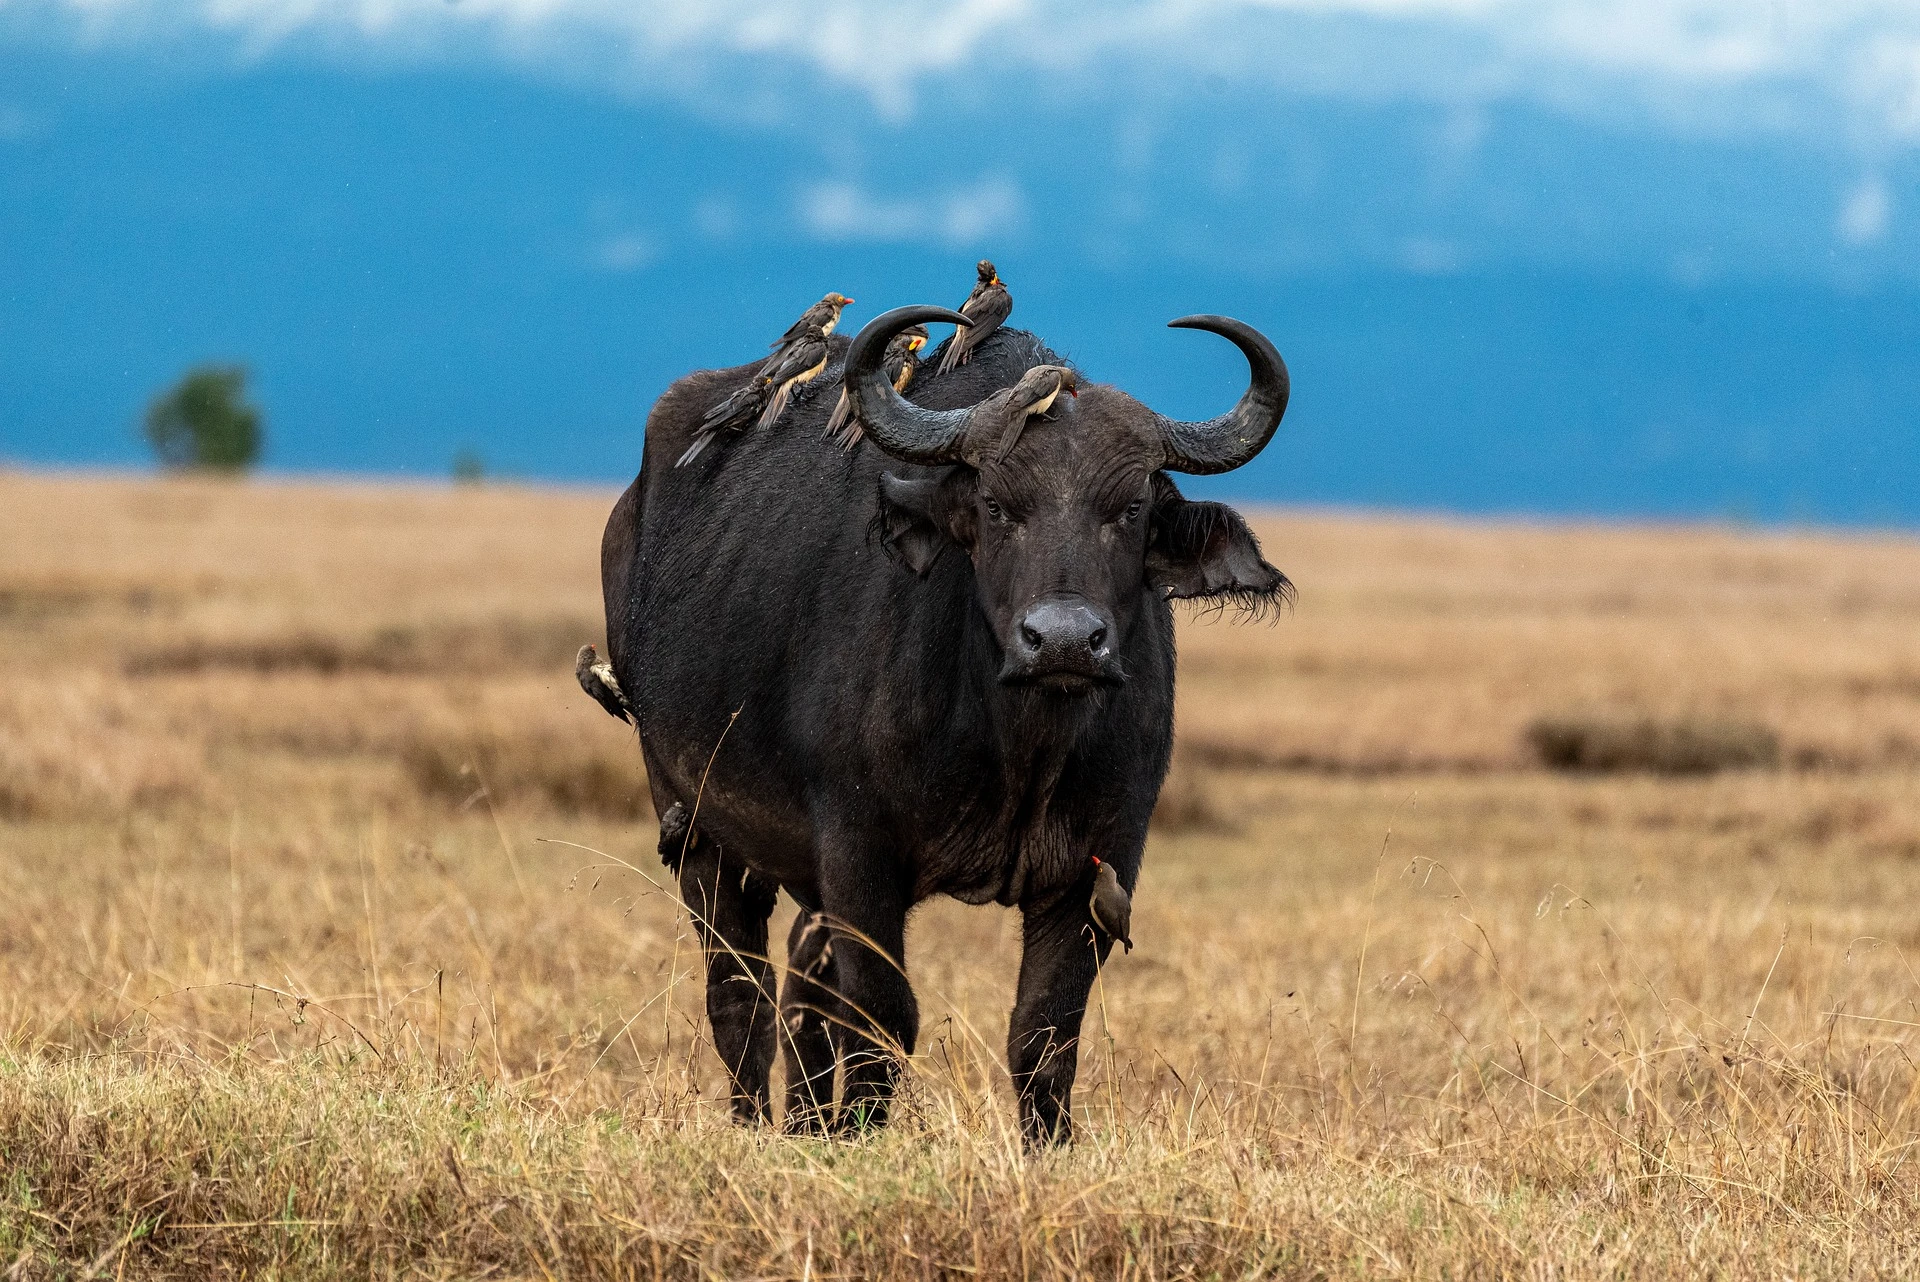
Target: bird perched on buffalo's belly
[1033,397]
[899,363]
[823,315]
[597,679]
[987,306]
[1111,905]
[805,357]
[735,414]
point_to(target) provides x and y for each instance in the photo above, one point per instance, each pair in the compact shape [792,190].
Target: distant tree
[468,467]
[204,421]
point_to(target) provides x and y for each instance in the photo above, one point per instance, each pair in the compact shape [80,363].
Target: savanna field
[1526,902]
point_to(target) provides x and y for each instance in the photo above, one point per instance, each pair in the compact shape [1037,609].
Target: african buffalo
[912,669]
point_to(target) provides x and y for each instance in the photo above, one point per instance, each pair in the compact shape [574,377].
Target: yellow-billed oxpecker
[900,364]
[987,306]
[597,679]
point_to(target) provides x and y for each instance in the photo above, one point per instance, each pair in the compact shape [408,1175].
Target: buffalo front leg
[1060,954]
[877,1018]
[807,1005]
[730,907]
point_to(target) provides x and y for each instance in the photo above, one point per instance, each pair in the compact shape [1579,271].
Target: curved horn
[907,431]
[1224,443]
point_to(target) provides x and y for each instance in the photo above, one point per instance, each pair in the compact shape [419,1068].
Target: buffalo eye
[994,510]
[1133,510]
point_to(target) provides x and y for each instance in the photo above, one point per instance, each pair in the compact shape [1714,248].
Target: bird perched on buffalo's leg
[1111,905]
[987,306]
[735,414]
[900,363]
[1033,397]
[597,679]
[805,357]
[823,315]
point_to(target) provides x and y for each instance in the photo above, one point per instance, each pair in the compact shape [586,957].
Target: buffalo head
[1072,529]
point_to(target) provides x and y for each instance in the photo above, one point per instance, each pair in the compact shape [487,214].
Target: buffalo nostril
[1033,639]
[1098,639]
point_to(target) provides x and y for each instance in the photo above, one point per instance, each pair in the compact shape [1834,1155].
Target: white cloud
[964,216]
[1723,64]
[625,252]
[1865,212]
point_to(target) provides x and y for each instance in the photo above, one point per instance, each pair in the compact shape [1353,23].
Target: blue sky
[1588,257]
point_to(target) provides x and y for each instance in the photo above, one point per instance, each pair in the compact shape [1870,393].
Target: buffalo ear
[918,518]
[1205,550]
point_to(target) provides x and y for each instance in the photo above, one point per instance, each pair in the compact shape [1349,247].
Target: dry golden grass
[310,966]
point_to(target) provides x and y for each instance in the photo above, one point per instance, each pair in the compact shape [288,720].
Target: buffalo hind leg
[1060,954]
[807,1008]
[878,1018]
[730,907]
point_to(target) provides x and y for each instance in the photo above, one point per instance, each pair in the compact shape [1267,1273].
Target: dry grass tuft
[450,649]
[605,781]
[1605,745]
[1190,800]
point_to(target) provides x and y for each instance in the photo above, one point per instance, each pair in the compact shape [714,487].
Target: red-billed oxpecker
[805,357]
[1033,397]
[986,307]
[900,364]
[823,315]
[1111,905]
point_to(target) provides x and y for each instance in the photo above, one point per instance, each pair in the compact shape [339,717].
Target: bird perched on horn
[1111,905]
[735,414]
[986,307]
[1033,397]
[900,364]
[597,679]
[805,357]
[823,315]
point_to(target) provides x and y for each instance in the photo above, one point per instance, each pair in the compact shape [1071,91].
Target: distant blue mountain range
[414,263]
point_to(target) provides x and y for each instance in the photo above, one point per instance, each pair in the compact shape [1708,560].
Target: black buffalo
[914,669]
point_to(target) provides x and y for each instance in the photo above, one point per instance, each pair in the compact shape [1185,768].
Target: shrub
[1616,745]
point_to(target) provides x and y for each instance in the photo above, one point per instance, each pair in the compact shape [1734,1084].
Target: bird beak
[915,344]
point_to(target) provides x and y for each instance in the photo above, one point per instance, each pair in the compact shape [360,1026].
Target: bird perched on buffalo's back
[1110,905]
[987,306]
[823,315]
[597,679]
[900,363]
[735,414]
[799,365]
[1033,397]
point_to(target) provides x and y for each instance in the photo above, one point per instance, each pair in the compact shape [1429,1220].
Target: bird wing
[814,315]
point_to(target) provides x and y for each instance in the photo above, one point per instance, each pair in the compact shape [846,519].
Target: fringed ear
[918,519]
[1204,551]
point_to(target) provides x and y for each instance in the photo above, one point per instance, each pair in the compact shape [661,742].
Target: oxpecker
[900,365]
[1111,905]
[597,679]
[1033,397]
[987,306]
